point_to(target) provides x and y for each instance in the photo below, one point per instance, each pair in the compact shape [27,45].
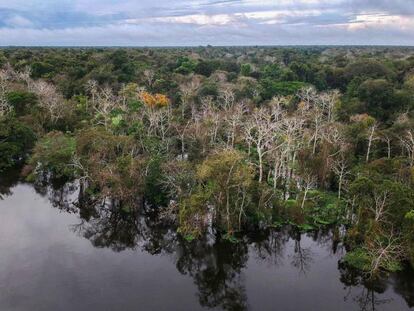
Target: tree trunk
[304,198]
[182,147]
[260,166]
[371,136]
[340,186]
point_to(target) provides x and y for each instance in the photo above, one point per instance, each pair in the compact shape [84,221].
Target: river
[55,256]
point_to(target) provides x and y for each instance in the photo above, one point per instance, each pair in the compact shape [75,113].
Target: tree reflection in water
[404,285]
[216,270]
[269,245]
[302,256]
[8,180]
[367,296]
[215,264]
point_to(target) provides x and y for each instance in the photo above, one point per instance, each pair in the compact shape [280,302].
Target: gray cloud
[200,22]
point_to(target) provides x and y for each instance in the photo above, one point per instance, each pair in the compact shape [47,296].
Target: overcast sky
[202,22]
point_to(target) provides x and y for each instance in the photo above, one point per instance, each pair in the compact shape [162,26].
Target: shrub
[53,154]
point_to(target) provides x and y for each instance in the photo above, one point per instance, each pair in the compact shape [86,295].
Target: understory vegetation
[225,139]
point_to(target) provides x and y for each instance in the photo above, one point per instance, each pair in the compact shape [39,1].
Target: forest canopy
[226,139]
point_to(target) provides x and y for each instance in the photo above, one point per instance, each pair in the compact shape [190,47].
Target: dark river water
[54,256]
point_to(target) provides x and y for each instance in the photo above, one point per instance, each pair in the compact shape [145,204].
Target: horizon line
[206,46]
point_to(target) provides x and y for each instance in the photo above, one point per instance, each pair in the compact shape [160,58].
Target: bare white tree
[4,79]
[227,97]
[328,100]
[49,99]
[387,138]
[233,117]
[25,76]
[149,77]
[158,121]
[92,88]
[407,142]
[384,250]
[5,107]
[187,91]
[380,204]
[104,103]
[292,137]
[307,94]
[339,166]
[371,137]
[259,131]
[211,117]
[182,132]
[309,182]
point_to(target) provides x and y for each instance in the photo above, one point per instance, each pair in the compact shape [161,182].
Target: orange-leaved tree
[154,100]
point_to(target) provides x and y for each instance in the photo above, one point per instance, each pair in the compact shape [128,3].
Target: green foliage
[185,65]
[193,213]
[378,95]
[273,72]
[41,69]
[399,198]
[270,88]
[116,121]
[393,266]
[246,69]
[358,259]
[410,215]
[53,154]
[231,238]
[205,67]
[16,140]
[189,237]
[306,227]
[291,203]
[208,89]
[327,210]
[110,163]
[321,209]
[368,69]
[223,180]
[23,102]
[153,189]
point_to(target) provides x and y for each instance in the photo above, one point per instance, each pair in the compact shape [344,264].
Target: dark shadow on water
[215,264]
[9,179]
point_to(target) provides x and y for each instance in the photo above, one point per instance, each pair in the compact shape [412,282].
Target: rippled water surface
[54,256]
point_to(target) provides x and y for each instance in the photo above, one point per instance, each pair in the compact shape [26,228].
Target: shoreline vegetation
[226,139]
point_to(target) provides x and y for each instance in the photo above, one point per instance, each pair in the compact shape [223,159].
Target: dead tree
[227,97]
[49,99]
[384,250]
[371,138]
[233,117]
[380,204]
[259,131]
[188,91]
[407,142]
[149,77]
[308,183]
[339,166]
[5,108]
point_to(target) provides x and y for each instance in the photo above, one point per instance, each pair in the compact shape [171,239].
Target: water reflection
[8,179]
[219,268]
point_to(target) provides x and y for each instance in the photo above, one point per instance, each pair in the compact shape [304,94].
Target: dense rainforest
[225,140]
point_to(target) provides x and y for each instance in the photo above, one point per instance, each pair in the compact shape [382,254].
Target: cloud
[18,22]
[196,19]
[364,21]
[195,22]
